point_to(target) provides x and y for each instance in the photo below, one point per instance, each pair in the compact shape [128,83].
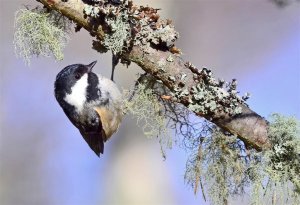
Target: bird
[91,101]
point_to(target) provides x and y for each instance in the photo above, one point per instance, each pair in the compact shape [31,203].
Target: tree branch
[247,125]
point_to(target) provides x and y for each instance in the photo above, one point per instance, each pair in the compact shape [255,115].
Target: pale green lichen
[184,92]
[172,78]
[277,173]
[161,64]
[118,30]
[117,40]
[210,96]
[170,58]
[92,11]
[39,33]
[216,163]
[183,76]
[127,25]
[226,168]
[147,109]
[166,34]
[147,35]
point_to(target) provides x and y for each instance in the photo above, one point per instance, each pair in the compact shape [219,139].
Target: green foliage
[225,168]
[40,33]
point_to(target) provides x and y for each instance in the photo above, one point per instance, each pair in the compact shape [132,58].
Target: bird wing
[109,119]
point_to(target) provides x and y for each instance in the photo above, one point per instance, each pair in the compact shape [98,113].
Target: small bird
[91,102]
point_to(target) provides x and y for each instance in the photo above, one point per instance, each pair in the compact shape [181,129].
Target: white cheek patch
[77,97]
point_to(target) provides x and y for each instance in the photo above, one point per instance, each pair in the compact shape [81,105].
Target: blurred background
[43,158]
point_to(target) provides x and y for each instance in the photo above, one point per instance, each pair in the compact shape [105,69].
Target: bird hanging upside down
[91,102]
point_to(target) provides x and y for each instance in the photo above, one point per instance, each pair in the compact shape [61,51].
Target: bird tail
[95,140]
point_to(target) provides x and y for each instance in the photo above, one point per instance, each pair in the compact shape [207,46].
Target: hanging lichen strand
[221,167]
[40,32]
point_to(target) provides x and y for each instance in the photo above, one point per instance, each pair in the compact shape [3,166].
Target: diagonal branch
[247,125]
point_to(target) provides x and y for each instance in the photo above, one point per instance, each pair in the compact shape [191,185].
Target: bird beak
[91,65]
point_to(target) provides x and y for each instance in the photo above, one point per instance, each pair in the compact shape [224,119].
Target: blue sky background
[44,160]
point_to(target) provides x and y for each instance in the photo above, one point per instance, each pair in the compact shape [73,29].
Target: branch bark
[248,125]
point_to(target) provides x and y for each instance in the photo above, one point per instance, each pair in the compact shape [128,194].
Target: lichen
[280,166]
[126,24]
[147,110]
[172,78]
[216,163]
[183,76]
[163,35]
[161,64]
[210,96]
[213,99]
[170,58]
[226,169]
[118,40]
[113,16]
[275,174]
[92,11]
[38,32]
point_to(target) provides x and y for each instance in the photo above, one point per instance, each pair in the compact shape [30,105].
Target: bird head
[70,75]
[71,84]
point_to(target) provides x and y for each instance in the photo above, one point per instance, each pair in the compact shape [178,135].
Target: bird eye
[77,76]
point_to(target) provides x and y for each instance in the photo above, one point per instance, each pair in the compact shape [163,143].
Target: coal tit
[91,102]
